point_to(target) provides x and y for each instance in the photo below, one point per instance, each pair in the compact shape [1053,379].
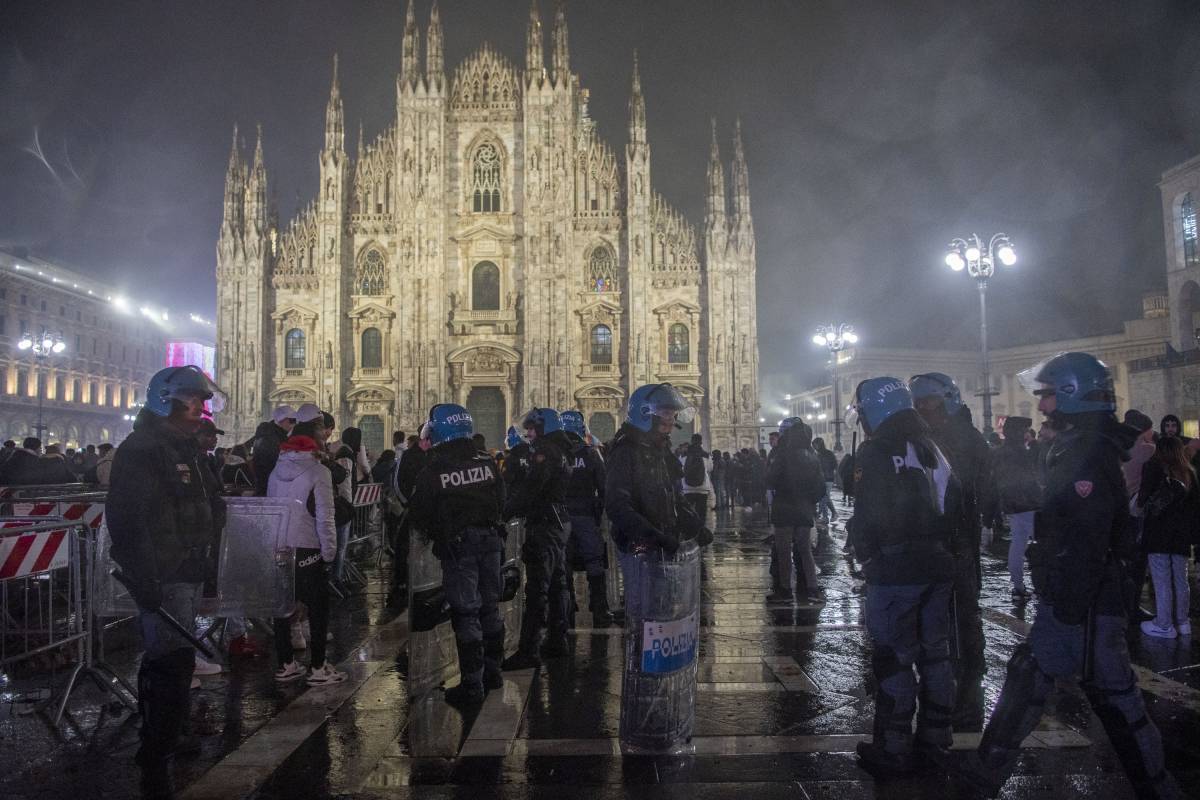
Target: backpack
[693,470]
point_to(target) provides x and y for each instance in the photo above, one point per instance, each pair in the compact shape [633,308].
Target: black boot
[968,705]
[469,691]
[493,657]
[526,656]
[598,601]
[164,701]
[1136,742]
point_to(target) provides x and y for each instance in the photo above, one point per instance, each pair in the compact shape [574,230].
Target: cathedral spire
[335,136]
[743,223]
[716,206]
[359,152]
[256,188]
[637,107]
[434,59]
[535,61]
[562,57]
[234,185]
[235,156]
[410,58]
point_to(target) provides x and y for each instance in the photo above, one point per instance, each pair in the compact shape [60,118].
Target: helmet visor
[1030,379]
[213,396]
[853,416]
[666,401]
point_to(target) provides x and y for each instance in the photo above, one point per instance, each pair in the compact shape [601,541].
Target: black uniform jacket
[459,488]
[585,490]
[642,494]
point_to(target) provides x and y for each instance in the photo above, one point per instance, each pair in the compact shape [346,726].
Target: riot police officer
[643,496]
[457,503]
[906,503]
[516,460]
[939,402]
[585,502]
[539,494]
[1083,541]
[162,514]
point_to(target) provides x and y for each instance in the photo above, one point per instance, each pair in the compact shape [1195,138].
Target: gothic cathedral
[488,249]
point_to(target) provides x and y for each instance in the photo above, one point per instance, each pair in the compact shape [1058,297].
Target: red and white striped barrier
[91,513]
[30,553]
[368,494]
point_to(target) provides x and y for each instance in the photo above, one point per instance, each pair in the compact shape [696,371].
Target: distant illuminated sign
[183,354]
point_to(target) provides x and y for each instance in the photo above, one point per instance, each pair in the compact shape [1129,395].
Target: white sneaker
[1184,628]
[298,640]
[325,675]
[291,671]
[1151,629]
[204,667]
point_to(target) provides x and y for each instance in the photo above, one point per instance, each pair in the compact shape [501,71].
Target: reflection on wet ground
[784,695]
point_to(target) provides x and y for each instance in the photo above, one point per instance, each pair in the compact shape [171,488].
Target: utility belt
[912,548]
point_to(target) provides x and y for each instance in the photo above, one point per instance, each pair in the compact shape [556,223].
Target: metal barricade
[43,490]
[658,687]
[366,526]
[44,566]
[83,506]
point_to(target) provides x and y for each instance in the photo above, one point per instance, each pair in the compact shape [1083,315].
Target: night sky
[875,132]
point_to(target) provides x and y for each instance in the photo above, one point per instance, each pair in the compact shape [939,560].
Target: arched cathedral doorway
[486,404]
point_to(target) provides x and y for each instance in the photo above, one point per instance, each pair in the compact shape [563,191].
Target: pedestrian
[1170,503]
[937,399]
[1079,627]
[480,442]
[1138,454]
[163,523]
[539,497]
[404,481]
[829,466]
[351,456]
[1170,425]
[585,503]
[696,485]
[101,471]
[383,467]
[717,475]
[1015,491]
[237,472]
[53,467]
[457,503]
[299,474]
[642,495]
[796,478]
[24,466]
[907,503]
[6,451]
[267,438]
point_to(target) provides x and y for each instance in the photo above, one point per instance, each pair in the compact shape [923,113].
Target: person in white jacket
[300,475]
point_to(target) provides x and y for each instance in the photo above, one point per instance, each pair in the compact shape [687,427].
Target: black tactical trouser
[547,594]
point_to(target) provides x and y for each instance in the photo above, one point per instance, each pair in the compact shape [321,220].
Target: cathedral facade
[488,249]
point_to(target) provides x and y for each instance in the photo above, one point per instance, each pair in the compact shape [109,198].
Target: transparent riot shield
[512,573]
[662,631]
[612,573]
[108,597]
[432,654]
[256,569]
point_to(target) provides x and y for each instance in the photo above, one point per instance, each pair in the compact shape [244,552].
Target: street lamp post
[835,337]
[980,263]
[41,348]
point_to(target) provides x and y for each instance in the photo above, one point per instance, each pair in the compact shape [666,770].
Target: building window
[60,388]
[485,287]
[293,349]
[372,277]
[3,325]
[124,397]
[3,380]
[24,300]
[1187,217]
[601,344]
[94,393]
[108,395]
[602,270]
[679,345]
[372,349]
[43,305]
[77,348]
[95,345]
[77,391]
[62,311]
[485,180]
[22,383]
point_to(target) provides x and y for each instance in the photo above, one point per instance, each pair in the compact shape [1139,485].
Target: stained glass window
[602,270]
[679,345]
[601,345]
[485,179]
[293,349]
[372,274]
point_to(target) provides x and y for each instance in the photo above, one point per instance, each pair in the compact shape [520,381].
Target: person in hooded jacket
[795,476]
[457,503]
[1170,505]
[1083,540]
[539,496]
[299,474]
[937,399]
[163,517]
[1015,491]
[265,448]
[1170,425]
[585,503]
[907,503]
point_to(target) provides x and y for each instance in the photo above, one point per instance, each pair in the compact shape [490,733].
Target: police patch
[1083,488]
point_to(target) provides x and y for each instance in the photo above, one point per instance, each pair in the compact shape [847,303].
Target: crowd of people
[30,465]
[1092,504]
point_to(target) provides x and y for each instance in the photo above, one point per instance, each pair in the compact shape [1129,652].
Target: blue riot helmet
[513,438]
[657,400]
[1080,383]
[789,422]
[877,399]
[543,420]
[182,383]
[937,384]
[572,422]
[449,421]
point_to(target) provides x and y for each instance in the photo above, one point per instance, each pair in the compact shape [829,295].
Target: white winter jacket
[296,474]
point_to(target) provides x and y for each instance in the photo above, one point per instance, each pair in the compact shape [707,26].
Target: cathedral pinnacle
[561,58]
[334,118]
[743,224]
[410,57]
[434,59]
[535,61]
[235,156]
[716,202]
[637,107]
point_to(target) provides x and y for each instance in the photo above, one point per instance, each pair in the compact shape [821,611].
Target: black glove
[146,593]
[704,537]
[667,541]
